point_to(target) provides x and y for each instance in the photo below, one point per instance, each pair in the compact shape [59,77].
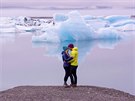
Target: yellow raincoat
[74,54]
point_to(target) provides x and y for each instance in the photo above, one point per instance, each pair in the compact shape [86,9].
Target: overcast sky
[66,0]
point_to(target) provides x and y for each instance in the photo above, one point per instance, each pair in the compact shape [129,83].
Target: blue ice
[75,28]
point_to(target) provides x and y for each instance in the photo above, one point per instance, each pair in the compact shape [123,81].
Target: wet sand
[59,93]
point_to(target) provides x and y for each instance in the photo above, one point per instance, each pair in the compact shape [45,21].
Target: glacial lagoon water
[104,63]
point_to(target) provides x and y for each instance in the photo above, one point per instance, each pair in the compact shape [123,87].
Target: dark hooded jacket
[66,58]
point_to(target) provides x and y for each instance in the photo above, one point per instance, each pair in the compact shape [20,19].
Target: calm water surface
[104,63]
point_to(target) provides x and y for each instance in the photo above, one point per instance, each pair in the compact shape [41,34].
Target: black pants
[68,74]
[73,70]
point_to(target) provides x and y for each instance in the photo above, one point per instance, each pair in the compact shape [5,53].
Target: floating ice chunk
[115,18]
[75,28]
[123,23]
[97,23]
[21,20]
[28,24]
[7,25]
[88,17]
[6,22]
[46,26]
[60,17]
[108,33]
[127,27]
[50,35]
[28,28]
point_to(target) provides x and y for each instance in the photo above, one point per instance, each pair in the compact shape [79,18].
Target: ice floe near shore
[70,27]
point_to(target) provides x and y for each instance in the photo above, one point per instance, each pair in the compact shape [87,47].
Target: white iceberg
[28,24]
[7,25]
[50,35]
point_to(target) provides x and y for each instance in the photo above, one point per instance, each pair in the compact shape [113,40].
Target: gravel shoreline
[59,93]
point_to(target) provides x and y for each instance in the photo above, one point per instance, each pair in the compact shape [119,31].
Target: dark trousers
[73,70]
[68,74]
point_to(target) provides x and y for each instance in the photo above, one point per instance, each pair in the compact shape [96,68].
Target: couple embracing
[70,64]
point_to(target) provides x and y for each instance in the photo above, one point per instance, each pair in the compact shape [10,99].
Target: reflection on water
[84,47]
[106,63]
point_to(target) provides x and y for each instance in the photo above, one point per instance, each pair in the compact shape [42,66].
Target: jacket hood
[62,52]
[65,48]
[75,49]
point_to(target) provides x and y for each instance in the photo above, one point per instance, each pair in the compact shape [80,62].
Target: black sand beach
[59,93]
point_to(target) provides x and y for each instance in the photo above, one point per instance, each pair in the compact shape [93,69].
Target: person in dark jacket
[66,58]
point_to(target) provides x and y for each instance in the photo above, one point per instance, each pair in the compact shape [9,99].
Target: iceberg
[115,18]
[88,17]
[127,27]
[108,33]
[59,17]
[123,23]
[22,20]
[69,27]
[28,28]
[96,24]
[7,25]
[50,35]
[73,29]
[28,24]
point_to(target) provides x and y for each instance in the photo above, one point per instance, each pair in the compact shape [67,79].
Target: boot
[73,85]
[65,85]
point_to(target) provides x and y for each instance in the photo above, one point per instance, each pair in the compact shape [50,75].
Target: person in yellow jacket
[74,63]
